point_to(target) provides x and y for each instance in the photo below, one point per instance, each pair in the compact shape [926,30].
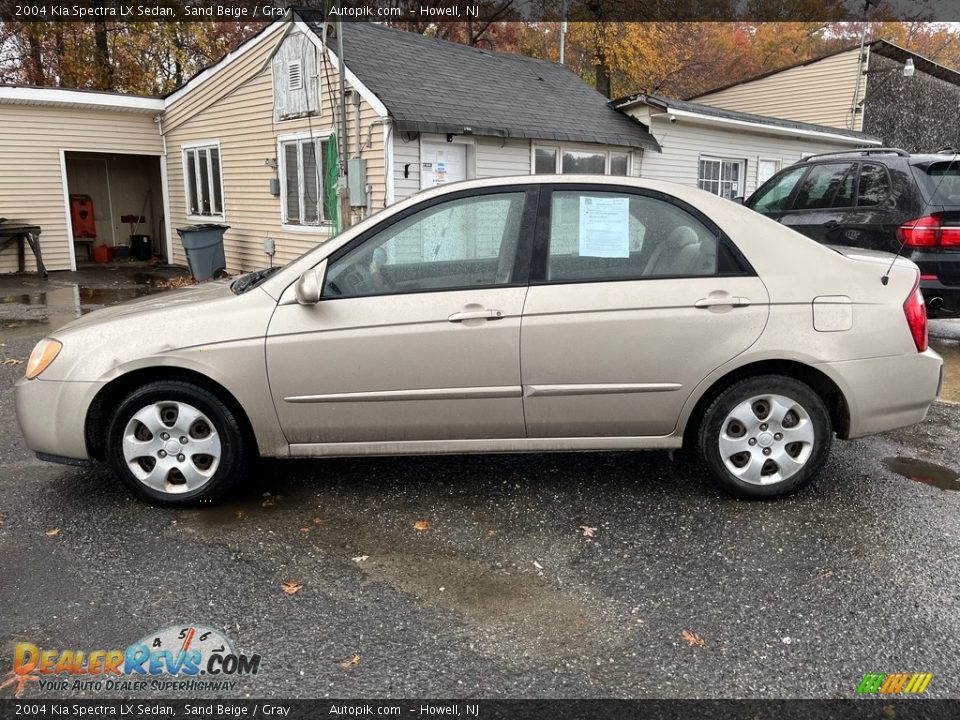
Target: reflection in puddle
[54,307]
[924,472]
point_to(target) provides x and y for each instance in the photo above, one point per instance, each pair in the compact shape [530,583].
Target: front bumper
[888,392]
[52,415]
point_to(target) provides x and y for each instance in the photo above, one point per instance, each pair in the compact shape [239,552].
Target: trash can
[204,247]
[141,247]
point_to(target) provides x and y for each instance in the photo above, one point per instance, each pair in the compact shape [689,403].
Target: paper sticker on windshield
[604,227]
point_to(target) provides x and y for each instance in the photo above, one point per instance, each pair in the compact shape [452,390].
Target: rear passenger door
[823,202]
[635,297]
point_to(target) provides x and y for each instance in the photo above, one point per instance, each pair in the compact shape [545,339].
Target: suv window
[467,242]
[828,185]
[774,196]
[940,181]
[874,185]
[622,236]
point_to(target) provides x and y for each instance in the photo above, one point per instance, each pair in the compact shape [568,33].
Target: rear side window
[874,185]
[619,236]
[826,186]
[940,182]
[775,195]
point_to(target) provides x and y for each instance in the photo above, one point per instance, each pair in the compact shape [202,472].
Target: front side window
[721,177]
[463,243]
[305,191]
[775,196]
[202,181]
[620,236]
[549,160]
[829,185]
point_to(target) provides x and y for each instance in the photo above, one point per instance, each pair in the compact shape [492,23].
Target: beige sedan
[530,314]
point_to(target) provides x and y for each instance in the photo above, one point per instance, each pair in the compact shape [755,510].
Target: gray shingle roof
[430,85]
[713,111]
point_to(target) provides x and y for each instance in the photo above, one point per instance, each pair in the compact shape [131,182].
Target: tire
[759,414]
[193,419]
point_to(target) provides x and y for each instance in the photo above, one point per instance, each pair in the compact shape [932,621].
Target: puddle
[23,314]
[924,472]
[950,351]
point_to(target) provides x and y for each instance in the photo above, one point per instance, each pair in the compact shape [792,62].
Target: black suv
[878,198]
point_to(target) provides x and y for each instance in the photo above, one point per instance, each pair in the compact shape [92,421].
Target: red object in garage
[81,216]
[103,253]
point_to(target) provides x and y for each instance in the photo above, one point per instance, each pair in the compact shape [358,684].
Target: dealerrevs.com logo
[901,683]
[179,658]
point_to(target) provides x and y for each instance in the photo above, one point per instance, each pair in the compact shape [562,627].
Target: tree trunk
[101,57]
[36,60]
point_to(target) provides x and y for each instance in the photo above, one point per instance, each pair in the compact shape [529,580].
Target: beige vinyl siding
[31,181]
[406,161]
[235,108]
[820,92]
[498,157]
[684,143]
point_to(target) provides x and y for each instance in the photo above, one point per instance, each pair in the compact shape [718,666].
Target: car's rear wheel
[175,443]
[765,437]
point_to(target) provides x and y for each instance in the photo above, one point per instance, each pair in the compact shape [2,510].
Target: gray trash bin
[204,247]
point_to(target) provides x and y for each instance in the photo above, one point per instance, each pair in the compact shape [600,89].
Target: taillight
[928,231]
[916,312]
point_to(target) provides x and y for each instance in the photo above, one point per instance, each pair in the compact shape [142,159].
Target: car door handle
[831,224]
[709,302]
[476,315]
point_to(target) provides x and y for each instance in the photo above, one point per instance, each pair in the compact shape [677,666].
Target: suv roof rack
[860,151]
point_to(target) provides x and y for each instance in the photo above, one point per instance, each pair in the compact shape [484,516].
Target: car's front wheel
[765,437]
[175,443]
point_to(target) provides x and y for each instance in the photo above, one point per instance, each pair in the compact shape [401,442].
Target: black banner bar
[163,709]
[480,10]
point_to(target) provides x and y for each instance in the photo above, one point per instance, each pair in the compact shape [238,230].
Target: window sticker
[605,227]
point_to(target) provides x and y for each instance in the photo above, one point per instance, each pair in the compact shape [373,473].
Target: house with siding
[726,152]
[245,142]
[887,91]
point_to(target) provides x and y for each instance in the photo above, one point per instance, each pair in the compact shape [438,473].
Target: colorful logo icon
[901,683]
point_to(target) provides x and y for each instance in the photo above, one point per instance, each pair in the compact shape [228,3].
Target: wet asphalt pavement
[503,595]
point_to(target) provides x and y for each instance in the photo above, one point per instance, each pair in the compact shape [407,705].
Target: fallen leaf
[317,520]
[350,661]
[291,587]
[537,565]
[11,361]
[587,531]
[361,558]
[421,525]
[491,533]
[269,502]
[692,639]
[53,532]
[304,531]
[240,514]
[177,282]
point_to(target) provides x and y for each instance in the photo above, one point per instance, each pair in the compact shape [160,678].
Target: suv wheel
[765,437]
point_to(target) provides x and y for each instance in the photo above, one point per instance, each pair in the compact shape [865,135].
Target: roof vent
[295,76]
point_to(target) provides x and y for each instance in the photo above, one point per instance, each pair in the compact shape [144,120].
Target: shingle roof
[713,111]
[431,85]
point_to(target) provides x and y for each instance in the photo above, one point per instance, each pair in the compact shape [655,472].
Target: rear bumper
[940,277]
[52,415]
[889,392]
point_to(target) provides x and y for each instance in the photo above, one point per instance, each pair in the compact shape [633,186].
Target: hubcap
[171,447]
[766,439]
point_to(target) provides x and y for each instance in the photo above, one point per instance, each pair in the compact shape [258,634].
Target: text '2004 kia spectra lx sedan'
[527,314]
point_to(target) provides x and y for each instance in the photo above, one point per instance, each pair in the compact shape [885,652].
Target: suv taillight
[928,231]
[916,311]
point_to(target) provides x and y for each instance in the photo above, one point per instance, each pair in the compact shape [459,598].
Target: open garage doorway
[115,206]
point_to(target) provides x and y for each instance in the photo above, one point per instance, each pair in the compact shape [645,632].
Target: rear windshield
[940,182]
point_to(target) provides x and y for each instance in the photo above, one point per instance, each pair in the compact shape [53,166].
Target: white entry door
[442,163]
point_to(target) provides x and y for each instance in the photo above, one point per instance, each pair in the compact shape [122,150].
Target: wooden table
[12,232]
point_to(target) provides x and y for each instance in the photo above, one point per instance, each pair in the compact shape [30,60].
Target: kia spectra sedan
[529,314]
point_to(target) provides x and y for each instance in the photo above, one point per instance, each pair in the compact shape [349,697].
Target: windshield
[940,181]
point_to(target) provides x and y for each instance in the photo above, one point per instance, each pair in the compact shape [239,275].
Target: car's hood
[159,302]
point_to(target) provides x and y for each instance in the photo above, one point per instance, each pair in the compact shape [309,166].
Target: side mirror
[738,200]
[310,285]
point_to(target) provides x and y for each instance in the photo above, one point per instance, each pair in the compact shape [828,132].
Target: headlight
[43,354]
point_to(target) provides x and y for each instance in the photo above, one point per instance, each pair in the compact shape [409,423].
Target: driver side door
[417,334]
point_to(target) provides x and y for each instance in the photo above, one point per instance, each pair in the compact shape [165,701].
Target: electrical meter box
[357,181]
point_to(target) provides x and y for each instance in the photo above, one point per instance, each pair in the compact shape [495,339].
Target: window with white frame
[766,169]
[722,177]
[304,169]
[202,181]
[558,159]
